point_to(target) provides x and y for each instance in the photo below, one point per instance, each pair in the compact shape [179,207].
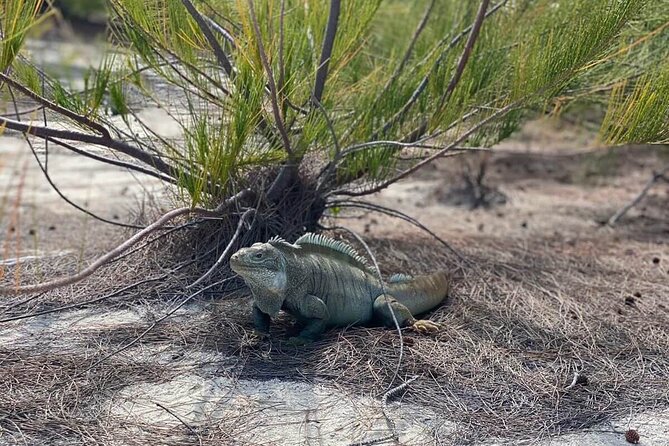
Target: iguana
[323,282]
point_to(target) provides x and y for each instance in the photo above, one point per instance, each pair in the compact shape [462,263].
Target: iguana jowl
[323,282]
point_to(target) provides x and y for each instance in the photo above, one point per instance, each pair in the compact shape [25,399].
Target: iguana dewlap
[323,282]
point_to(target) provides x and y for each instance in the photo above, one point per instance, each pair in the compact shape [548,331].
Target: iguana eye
[258,255]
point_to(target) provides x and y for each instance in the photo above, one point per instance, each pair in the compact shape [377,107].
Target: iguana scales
[323,282]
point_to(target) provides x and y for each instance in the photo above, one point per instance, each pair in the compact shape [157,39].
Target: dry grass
[517,327]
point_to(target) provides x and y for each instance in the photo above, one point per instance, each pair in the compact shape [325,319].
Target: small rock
[582,379]
[632,436]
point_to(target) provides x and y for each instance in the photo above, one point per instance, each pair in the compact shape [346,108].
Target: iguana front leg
[315,315]
[261,322]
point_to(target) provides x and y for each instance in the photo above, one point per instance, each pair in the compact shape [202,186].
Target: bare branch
[326,52]
[68,280]
[101,261]
[83,120]
[211,38]
[69,135]
[466,52]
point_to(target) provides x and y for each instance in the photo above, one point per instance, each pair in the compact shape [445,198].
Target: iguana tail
[422,293]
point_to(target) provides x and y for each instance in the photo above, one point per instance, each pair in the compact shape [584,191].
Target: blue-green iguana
[323,282]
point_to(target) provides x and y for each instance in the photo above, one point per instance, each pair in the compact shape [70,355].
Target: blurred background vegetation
[87,10]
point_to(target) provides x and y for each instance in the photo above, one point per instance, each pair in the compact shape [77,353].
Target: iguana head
[263,268]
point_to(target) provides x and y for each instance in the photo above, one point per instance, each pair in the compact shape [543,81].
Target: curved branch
[69,135]
[120,249]
[499,113]
[90,269]
[83,120]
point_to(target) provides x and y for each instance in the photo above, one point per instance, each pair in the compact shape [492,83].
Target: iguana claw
[296,341]
[426,327]
[254,338]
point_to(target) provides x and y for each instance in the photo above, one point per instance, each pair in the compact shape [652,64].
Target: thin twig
[60,193]
[397,214]
[151,327]
[270,79]
[466,52]
[79,305]
[227,250]
[383,290]
[658,176]
[384,402]
[412,169]
[221,57]
[188,426]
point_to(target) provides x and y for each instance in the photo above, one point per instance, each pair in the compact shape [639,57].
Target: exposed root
[123,247]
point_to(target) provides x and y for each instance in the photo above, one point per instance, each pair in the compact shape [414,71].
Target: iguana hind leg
[403,315]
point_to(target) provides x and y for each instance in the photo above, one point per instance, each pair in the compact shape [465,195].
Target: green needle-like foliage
[242,80]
